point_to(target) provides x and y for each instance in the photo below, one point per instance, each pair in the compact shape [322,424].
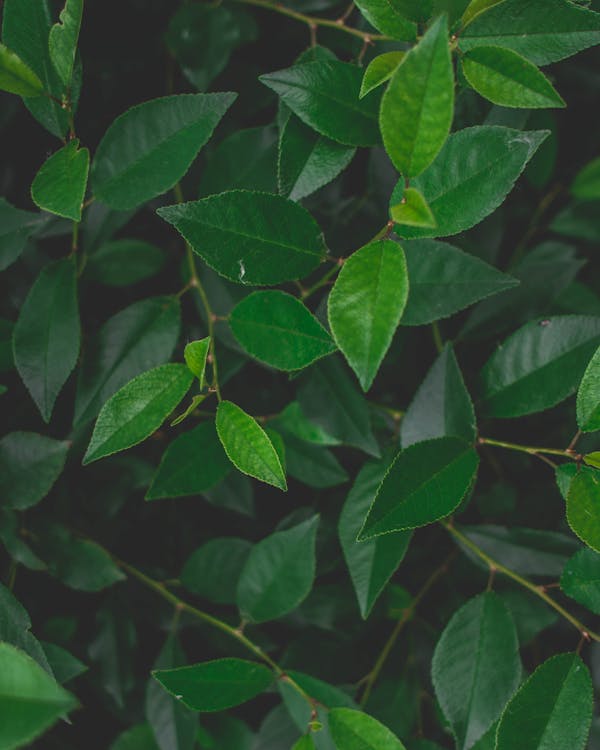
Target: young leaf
[248,446]
[371,563]
[539,366]
[62,41]
[59,186]
[236,234]
[476,667]
[586,185]
[418,105]
[193,463]
[355,730]
[136,339]
[138,409]
[16,77]
[46,335]
[473,173]
[413,210]
[433,270]
[213,570]
[508,79]
[276,328]
[552,709]
[592,459]
[388,18]
[441,406]
[30,699]
[588,396]
[425,482]
[583,506]
[150,147]
[195,354]
[308,160]
[124,262]
[366,304]
[543,31]
[215,685]
[279,573]
[29,466]
[305,743]
[325,95]
[580,579]
[380,70]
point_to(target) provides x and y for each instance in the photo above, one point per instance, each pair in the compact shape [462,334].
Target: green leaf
[586,185]
[539,366]
[473,173]
[30,700]
[307,160]
[279,573]
[277,329]
[65,666]
[15,628]
[16,77]
[30,464]
[543,31]
[62,41]
[213,570]
[10,537]
[293,421]
[592,459]
[312,464]
[475,7]
[139,737]
[441,406]
[444,280]
[138,338]
[16,226]
[508,79]
[59,186]
[388,17]
[580,579]
[413,210]
[193,463]
[329,398]
[124,262]
[215,685]
[150,147]
[46,335]
[371,563]
[304,743]
[418,105]
[552,709]
[355,730]
[588,396]
[248,446]
[531,615]
[366,304]
[583,506]
[138,409]
[476,667]
[195,354]
[380,70]
[325,95]
[235,234]
[425,482]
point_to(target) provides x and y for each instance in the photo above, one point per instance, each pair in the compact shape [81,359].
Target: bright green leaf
[213,570]
[418,105]
[366,304]
[59,186]
[215,685]
[138,409]
[151,146]
[475,7]
[279,573]
[62,41]
[355,730]
[305,743]
[380,70]
[195,355]
[248,446]
[580,579]
[235,234]
[16,77]
[583,506]
[389,18]
[476,667]
[592,459]
[413,210]
[588,396]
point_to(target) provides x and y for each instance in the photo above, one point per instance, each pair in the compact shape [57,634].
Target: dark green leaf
[15,628]
[59,186]
[29,465]
[325,95]
[15,228]
[139,737]
[16,77]
[583,506]
[279,573]
[580,579]
[355,730]
[539,366]
[213,570]
[46,336]
[312,464]
[418,105]
[278,329]
[588,396]
[476,667]
[215,685]
[62,41]
[551,710]
[151,146]
[235,233]
[138,409]
[65,666]
[124,262]
[586,185]
[426,482]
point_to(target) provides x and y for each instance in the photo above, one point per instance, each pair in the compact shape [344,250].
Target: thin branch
[532,450]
